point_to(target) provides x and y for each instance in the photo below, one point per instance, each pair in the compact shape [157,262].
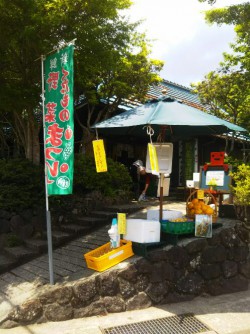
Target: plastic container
[104,257]
[114,235]
[164,153]
[143,230]
[166,214]
[186,227]
[144,249]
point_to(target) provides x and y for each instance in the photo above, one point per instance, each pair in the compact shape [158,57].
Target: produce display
[178,220]
[198,207]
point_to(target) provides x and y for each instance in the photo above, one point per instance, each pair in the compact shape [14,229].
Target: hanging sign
[153,159]
[200,194]
[122,224]
[100,156]
[59,121]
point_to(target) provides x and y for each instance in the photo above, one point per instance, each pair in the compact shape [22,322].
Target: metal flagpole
[48,215]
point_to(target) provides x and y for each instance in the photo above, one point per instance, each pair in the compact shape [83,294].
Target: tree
[239,16]
[226,96]
[226,91]
[111,59]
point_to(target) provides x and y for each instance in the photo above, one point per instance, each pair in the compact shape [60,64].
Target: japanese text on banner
[100,156]
[153,159]
[59,122]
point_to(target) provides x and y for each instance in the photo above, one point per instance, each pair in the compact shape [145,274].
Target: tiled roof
[171,89]
[177,92]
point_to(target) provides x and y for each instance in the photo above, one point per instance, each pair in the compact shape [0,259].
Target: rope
[150,132]
[96,134]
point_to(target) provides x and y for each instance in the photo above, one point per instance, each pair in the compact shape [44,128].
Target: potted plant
[241,193]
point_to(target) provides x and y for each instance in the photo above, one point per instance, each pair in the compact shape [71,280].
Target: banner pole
[48,215]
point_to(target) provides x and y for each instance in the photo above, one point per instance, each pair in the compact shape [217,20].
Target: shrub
[115,182]
[241,189]
[21,184]
[14,240]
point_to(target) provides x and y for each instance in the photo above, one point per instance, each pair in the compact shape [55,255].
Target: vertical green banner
[59,121]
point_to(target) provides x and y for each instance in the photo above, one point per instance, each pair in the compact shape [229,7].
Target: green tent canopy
[175,117]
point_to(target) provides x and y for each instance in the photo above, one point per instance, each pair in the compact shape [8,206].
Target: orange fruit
[195,200]
[204,210]
[197,206]
[210,211]
[192,212]
[190,205]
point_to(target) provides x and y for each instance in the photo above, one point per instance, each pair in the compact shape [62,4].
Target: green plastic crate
[186,227]
[144,249]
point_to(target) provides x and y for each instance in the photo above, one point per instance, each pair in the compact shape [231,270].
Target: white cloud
[181,38]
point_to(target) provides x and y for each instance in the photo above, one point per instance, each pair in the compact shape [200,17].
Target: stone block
[114,304]
[192,284]
[229,268]
[27,312]
[157,291]
[107,283]
[126,288]
[214,254]
[55,312]
[210,271]
[138,302]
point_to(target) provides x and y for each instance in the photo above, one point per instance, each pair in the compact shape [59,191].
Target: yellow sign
[100,156]
[153,159]
[122,224]
[200,194]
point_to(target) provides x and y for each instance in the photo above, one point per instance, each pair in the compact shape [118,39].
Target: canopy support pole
[161,196]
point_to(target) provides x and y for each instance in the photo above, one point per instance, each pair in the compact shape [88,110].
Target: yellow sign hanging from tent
[122,224]
[153,159]
[100,156]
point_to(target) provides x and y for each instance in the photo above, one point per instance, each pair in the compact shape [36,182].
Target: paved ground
[29,279]
[225,314]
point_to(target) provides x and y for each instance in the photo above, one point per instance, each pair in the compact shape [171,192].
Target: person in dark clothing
[142,175]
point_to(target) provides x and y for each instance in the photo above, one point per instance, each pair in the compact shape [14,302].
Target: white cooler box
[166,214]
[143,231]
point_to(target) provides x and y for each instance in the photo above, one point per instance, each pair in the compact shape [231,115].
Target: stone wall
[194,267]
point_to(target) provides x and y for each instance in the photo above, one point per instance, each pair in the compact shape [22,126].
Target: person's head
[140,168]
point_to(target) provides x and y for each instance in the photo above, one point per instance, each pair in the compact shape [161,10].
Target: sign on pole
[58,126]
[59,121]
[100,156]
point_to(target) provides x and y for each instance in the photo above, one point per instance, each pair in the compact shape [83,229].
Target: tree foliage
[21,184]
[239,16]
[226,96]
[241,188]
[111,59]
[226,91]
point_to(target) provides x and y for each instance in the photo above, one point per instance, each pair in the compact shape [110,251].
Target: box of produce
[181,225]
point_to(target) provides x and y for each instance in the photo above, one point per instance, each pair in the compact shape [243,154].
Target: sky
[189,47]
